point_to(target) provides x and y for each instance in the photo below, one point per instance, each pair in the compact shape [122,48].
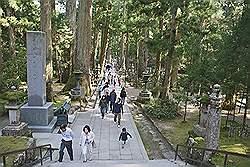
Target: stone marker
[213,121]
[37,112]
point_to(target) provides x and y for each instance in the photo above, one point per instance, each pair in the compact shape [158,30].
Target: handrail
[226,153]
[22,150]
[25,151]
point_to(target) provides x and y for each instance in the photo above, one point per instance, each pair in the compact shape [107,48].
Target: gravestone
[213,121]
[200,129]
[37,112]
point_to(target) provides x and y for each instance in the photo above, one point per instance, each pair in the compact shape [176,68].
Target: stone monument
[213,121]
[145,95]
[76,92]
[37,112]
[200,129]
[15,127]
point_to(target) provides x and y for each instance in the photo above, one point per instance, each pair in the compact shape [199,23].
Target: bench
[62,113]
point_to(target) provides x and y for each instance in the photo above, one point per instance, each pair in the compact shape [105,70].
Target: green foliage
[159,108]
[14,71]
[204,99]
[24,16]
[14,96]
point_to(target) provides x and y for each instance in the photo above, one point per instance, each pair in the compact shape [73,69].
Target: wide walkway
[107,133]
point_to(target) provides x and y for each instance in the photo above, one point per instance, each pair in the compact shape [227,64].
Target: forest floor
[175,131]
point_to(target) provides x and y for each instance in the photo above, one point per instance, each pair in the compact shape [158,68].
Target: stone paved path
[107,133]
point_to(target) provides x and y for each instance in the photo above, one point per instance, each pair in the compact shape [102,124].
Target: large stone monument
[37,112]
[213,121]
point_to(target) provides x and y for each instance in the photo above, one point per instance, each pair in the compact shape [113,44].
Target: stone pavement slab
[106,136]
[122,163]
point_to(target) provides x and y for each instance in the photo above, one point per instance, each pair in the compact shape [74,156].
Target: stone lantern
[76,92]
[15,127]
[213,118]
[145,95]
[13,108]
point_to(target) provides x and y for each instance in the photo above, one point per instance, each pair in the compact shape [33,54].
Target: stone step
[119,163]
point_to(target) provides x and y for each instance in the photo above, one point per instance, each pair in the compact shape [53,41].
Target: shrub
[162,108]
[14,96]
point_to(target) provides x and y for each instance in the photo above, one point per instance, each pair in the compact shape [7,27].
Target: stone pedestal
[37,112]
[15,129]
[37,115]
[14,113]
[199,131]
[75,94]
[144,96]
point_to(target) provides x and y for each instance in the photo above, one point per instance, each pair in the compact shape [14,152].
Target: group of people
[111,102]
[108,102]
[86,141]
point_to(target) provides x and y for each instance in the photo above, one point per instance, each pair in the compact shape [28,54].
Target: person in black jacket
[103,105]
[112,99]
[123,95]
[117,111]
[124,136]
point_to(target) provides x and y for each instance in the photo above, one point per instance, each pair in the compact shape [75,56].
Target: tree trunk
[122,53]
[1,53]
[46,27]
[169,59]
[95,49]
[84,43]
[142,54]
[108,54]
[104,42]
[174,74]
[126,51]
[71,15]
[158,65]
[11,34]
[53,5]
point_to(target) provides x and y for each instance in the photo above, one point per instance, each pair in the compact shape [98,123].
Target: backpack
[124,136]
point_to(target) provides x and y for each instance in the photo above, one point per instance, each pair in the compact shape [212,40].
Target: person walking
[107,96]
[123,95]
[117,112]
[86,143]
[124,136]
[105,86]
[66,141]
[112,99]
[103,105]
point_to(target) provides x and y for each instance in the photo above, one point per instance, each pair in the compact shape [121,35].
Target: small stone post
[213,121]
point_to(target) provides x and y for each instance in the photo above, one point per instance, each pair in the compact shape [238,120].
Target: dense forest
[186,46]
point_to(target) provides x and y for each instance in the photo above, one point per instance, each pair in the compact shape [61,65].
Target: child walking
[124,136]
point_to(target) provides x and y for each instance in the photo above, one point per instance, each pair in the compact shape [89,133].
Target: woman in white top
[86,141]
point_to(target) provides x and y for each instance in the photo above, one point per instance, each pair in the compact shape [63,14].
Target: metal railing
[201,161]
[27,161]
